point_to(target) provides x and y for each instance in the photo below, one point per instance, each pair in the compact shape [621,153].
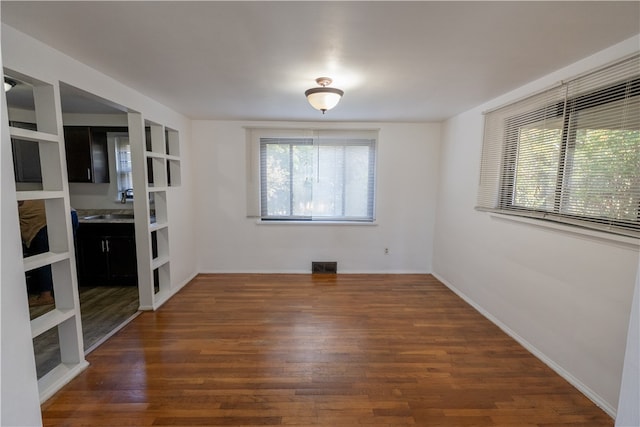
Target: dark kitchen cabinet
[107,254]
[86,152]
[26,161]
[26,156]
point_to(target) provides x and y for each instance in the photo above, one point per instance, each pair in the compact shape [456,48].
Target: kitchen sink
[109,216]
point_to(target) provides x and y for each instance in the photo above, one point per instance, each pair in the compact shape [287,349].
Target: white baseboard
[308,271]
[171,292]
[165,296]
[593,396]
[57,378]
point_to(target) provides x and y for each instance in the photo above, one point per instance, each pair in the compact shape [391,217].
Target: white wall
[407,171]
[566,296]
[629,403]
[26,55]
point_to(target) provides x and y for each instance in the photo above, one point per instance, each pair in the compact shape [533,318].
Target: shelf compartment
[162,277]
[173,173]
[160,247]
[158,171]
[154,137]
[158,199]
[172,141]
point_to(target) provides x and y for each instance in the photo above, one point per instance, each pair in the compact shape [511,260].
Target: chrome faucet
[126,194]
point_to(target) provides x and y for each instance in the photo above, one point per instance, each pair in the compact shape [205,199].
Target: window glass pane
[537,162]
[277,179]
[123,164]
[328,196]
[357,181]
[605,164]
[302,180]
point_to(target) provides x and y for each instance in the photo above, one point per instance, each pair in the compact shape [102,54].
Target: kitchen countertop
[105,216]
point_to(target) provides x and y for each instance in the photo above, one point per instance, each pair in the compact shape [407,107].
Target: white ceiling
[396,61]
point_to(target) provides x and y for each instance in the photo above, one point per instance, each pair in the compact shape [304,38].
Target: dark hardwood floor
[323,350]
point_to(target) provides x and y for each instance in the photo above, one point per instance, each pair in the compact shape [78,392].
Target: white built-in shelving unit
[157,169]
[64,318]
[156,150]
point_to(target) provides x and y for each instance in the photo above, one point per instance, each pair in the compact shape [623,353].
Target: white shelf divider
[159,261]
[155,155]
[39,194]
[157,189]
[155,226]
[33,135]
[46,258]
[49,320]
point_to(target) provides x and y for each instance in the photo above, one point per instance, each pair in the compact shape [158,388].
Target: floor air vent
[324,267]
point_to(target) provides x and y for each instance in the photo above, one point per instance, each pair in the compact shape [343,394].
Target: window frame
[564,110]
[504,128]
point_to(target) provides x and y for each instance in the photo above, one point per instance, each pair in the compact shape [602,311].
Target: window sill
[570,230]
[340,223]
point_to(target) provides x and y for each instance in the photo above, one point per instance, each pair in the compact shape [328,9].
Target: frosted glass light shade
[323,98]
[8,84]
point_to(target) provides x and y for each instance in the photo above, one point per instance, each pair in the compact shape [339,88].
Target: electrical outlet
[386,251]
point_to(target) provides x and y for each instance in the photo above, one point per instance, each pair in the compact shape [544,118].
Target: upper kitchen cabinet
[26,161]
[26,156]
[87,156]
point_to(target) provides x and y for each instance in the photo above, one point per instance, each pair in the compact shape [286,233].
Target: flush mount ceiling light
[8,84]
[323,98]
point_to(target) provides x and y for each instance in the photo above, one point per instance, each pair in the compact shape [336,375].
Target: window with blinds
[317,178]
[570,154]
[123,168]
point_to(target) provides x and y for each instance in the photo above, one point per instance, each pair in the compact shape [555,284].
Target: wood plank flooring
[321,350]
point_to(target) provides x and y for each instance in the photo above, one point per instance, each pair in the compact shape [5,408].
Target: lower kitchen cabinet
[107,254]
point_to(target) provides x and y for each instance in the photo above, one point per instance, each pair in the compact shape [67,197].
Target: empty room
[320,213]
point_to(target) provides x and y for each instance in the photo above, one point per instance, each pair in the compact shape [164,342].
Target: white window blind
[315,175]
[570,154]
